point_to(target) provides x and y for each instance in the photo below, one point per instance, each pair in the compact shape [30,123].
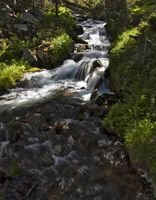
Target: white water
[80,76]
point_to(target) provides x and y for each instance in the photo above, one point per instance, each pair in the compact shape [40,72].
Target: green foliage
[141,142]
[12,48]
[124,115]
[133,76]
[152,21]
[129,54]
[63,23]
[125,39]
[66,20]
[9,74]
[62,46]
[12,72]
[119,118]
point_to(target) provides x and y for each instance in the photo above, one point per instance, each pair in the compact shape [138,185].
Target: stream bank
[132,73]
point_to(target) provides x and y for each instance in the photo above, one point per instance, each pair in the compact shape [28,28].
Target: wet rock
[81,47]
[110,98]
[77,56]
[66,158]
[79,30]
[97,64]
[103,98]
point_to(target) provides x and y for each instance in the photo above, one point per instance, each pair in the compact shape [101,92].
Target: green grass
[133,77]
[140,141]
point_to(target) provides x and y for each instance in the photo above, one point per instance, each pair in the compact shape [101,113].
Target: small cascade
[85,70]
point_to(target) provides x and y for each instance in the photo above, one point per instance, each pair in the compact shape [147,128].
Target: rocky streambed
[52,142]
[59,150]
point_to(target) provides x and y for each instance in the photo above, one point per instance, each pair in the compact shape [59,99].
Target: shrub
[66,20]
[133,76]
[12,72]
[13,49]
[62,47]
[125,39]
[152,21]
[141,141]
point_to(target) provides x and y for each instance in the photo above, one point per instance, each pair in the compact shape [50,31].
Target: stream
[52,142]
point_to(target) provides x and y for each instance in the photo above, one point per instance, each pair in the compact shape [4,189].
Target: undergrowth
[133,77]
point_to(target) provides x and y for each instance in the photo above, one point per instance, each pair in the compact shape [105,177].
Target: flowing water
[57,148]
[84,74]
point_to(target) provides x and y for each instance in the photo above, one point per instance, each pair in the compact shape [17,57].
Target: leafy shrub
[123,115]
[125,39]
[13,49]
[66,20]
[141,142]
[62,46]
[152,21]
[9,74]
[133,75]
[12,72]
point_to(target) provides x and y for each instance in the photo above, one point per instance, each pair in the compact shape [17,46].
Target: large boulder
[29,18]
[29,56]
[42,56]
[79,30]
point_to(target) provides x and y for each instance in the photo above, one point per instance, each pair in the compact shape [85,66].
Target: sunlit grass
[133,76]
